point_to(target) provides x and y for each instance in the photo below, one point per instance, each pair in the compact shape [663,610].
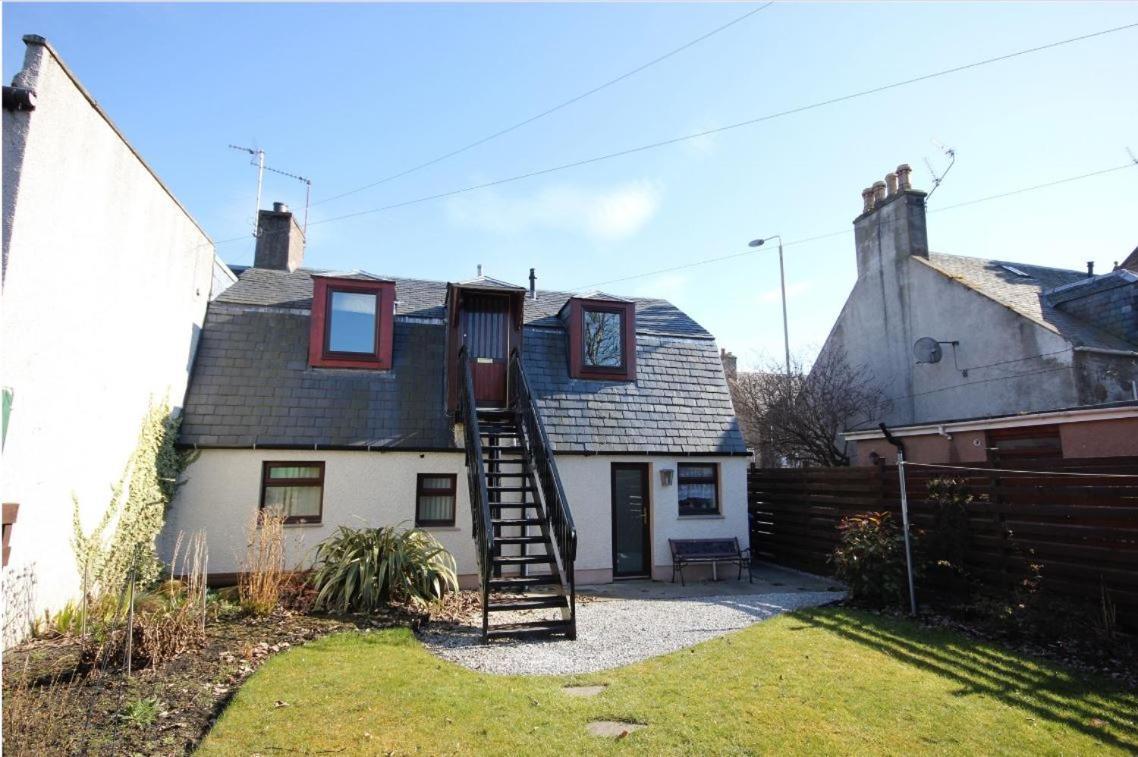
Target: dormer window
[352,322]
[602,338]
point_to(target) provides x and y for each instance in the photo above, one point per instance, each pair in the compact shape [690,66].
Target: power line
[849,230]
[549,111]
[729,127]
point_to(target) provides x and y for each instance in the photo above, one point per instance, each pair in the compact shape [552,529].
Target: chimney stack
[532,284]
[730,364]
[891,226]
[280,241]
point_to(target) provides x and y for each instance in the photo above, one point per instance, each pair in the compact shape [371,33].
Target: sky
[349,94]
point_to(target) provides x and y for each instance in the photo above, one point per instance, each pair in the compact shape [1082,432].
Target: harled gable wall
[105,288]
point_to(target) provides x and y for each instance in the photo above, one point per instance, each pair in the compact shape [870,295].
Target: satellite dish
[927,350]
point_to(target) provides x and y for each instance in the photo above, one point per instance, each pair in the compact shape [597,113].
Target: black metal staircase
[526,540]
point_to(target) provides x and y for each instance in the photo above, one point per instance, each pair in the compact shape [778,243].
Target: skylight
[1015,270]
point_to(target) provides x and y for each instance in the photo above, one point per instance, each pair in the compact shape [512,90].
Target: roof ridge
[1008,262]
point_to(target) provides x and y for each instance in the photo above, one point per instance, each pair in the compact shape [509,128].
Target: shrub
[141,712]
[262,569]
[363,569]
[870,559]
[945,544]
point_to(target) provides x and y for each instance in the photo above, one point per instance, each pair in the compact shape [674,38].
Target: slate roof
[251,382]
[1026,294]
[426,299]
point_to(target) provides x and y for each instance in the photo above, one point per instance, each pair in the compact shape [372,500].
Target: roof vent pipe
[479,269]
[532,284]
[1090,268]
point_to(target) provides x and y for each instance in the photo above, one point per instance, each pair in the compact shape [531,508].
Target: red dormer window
[352,323]
[602,338]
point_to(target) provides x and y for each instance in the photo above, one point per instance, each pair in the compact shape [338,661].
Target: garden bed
[52,708]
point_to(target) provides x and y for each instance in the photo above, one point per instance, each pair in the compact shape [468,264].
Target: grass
[820,681]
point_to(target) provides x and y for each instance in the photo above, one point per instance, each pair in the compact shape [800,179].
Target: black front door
[486,334]
[631,541]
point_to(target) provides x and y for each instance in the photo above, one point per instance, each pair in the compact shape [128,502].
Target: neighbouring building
[948,337]
[544,438]
[105,283]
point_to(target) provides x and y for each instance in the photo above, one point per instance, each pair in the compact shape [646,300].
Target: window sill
[306,524]
[703,516]
[438,528]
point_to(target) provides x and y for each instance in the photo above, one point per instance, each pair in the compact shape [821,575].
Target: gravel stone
[615,632]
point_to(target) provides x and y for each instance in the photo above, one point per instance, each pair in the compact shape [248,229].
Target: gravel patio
[628,621]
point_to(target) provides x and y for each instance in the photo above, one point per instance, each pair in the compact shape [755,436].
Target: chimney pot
[280,207]
[891,183]
[878,192]
[1090,268]
[903,172]
[866,200]
[532,284]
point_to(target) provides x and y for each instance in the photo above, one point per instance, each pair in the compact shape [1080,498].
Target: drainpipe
[904,514]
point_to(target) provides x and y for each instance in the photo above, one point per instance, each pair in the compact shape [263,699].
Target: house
[948,337]
[545,438]
[106,277]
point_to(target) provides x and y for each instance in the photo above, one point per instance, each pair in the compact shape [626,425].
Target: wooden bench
[714,551]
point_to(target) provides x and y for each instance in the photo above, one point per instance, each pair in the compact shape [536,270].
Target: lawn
[819,681]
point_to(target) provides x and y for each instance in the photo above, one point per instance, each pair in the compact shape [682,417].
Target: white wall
[106,285]
[222,492]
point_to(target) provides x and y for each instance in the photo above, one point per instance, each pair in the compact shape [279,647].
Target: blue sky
[346,94]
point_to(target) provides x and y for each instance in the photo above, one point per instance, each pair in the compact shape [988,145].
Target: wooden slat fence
[1082,530]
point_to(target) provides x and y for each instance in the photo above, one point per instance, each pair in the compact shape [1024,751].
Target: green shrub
[363,569]
[870,559]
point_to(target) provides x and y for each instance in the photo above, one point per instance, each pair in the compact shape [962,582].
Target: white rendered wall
[106,285]
[368,489]
[222,492]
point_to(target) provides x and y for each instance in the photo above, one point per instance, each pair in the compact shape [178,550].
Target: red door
[486,335]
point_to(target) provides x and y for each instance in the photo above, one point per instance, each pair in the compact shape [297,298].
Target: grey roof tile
[251,382]
[1026,294]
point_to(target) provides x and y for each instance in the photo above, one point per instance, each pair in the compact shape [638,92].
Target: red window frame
[577,307]
[323,287]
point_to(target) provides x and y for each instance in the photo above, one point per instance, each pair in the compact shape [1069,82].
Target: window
[603,338]
[352,323]
[296,488]
[434,499]
[698,485]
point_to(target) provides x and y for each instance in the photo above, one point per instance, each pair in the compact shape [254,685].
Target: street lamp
[782,285]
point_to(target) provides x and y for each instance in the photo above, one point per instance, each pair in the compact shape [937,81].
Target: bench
[714,551]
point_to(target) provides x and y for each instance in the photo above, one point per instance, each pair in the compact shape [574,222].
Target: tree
[799,417]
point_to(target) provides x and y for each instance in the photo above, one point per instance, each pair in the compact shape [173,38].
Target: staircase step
[521,474]
[504,489]
[521,582]
[502,448]
[512,506]
[522,629]
[529,603]
[516,521]
[519,540]
[522,559]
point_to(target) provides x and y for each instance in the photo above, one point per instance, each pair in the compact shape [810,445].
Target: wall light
[666,476]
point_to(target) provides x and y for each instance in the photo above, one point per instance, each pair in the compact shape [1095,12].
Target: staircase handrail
[557,512]
[483,529]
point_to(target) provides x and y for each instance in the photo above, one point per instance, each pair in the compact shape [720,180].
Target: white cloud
[606,214]
[775,295]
